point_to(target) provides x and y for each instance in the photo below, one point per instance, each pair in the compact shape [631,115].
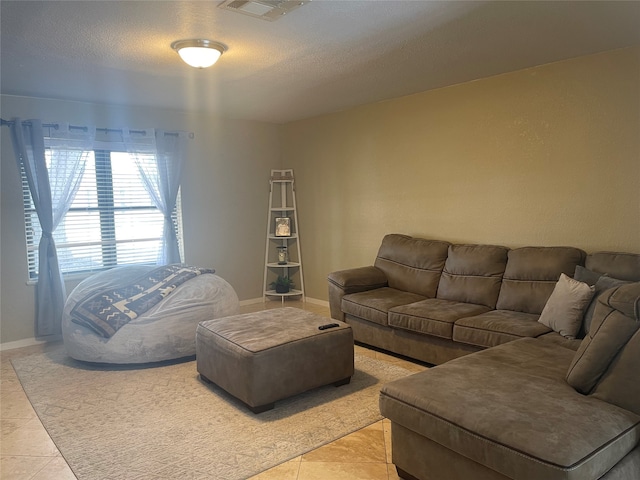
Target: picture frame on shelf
[283,227]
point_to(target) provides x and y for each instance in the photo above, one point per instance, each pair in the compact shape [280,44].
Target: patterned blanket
[106,311]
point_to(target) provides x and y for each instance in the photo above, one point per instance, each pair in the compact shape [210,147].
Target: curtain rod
[55,126]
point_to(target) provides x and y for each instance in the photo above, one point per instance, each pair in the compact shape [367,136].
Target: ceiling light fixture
[199,53]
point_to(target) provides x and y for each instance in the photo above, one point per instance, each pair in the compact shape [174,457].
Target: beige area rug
[164,423]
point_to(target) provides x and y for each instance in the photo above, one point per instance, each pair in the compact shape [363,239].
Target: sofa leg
[344,381]
[262,408]
[404,475]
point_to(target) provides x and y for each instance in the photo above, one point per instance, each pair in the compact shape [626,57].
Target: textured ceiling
[325,56]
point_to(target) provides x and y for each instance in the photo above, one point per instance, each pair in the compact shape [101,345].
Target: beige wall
[544,156]
[225,195]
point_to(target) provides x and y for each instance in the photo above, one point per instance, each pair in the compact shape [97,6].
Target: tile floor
[27,452]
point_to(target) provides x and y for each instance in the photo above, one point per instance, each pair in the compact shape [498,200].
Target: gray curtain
[161,176]
[53,189]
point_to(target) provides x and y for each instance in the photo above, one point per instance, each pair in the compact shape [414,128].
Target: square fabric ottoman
[269,355]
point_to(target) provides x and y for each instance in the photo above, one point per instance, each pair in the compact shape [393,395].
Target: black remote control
[328,325]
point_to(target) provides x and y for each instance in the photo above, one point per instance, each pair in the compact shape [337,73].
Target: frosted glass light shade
[199,53]
[199,57]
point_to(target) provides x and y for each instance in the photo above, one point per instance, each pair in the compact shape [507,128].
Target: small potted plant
[282,284]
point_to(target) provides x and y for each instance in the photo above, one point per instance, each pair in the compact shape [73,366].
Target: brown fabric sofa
[528,409]
[435,301]
[510,398]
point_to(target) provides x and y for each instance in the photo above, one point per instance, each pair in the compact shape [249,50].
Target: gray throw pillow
[565,308]
[603,283]
[585,275]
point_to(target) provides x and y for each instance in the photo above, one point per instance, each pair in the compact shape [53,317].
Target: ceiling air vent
[270,10]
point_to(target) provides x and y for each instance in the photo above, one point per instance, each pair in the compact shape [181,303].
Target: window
[112,220]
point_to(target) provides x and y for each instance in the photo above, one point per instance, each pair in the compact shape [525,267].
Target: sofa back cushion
[412,264]
[625,266]
[531,275]
[606,363]
[620,385]
[473,274]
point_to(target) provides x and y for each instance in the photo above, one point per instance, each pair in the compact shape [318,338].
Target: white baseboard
[28,342]
[251,301]
[315,301]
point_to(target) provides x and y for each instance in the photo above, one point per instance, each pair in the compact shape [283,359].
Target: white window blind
[112,220]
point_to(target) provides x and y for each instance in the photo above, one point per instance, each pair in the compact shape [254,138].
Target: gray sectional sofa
[435,301]
[511,398]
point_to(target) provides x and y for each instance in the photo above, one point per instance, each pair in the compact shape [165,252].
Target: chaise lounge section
[528,409]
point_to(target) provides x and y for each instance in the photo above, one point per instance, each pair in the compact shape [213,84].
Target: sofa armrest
[354,280]
[358,279]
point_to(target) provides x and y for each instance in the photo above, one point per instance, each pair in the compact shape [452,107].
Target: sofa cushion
[615,321]
[556,339]
[497,327]
[531,275]
[374,305]
[509,408]
[625,266]
[433,316]
[620,385]
[565,308]
[603,284]
[473,274]
[412,264]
